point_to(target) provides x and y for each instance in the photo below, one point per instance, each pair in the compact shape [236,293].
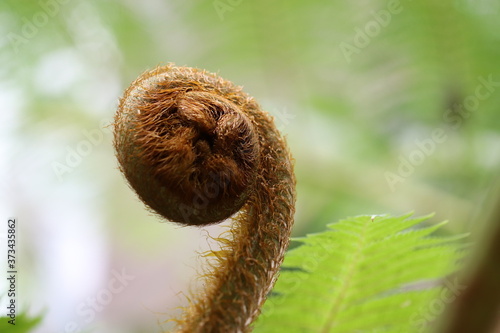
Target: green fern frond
[366,274]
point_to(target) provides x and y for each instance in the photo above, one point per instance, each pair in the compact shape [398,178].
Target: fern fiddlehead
[197,149]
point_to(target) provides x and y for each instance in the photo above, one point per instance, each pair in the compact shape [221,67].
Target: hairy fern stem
[197,149]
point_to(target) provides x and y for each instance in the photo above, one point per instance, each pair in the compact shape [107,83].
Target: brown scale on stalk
[197,149]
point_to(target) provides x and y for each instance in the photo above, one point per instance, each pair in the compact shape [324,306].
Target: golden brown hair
[197,149]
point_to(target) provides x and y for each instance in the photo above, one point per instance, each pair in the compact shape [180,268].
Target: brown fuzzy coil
[197,149]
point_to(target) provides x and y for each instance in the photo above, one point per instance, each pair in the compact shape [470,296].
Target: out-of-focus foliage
[352,113]
[388,106]
[22,323]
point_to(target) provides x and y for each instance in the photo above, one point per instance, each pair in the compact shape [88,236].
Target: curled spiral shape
[185,145]
[197,149]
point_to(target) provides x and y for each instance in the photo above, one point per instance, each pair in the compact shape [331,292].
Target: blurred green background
[388,107]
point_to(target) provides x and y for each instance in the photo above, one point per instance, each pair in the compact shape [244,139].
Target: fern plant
[365,274]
